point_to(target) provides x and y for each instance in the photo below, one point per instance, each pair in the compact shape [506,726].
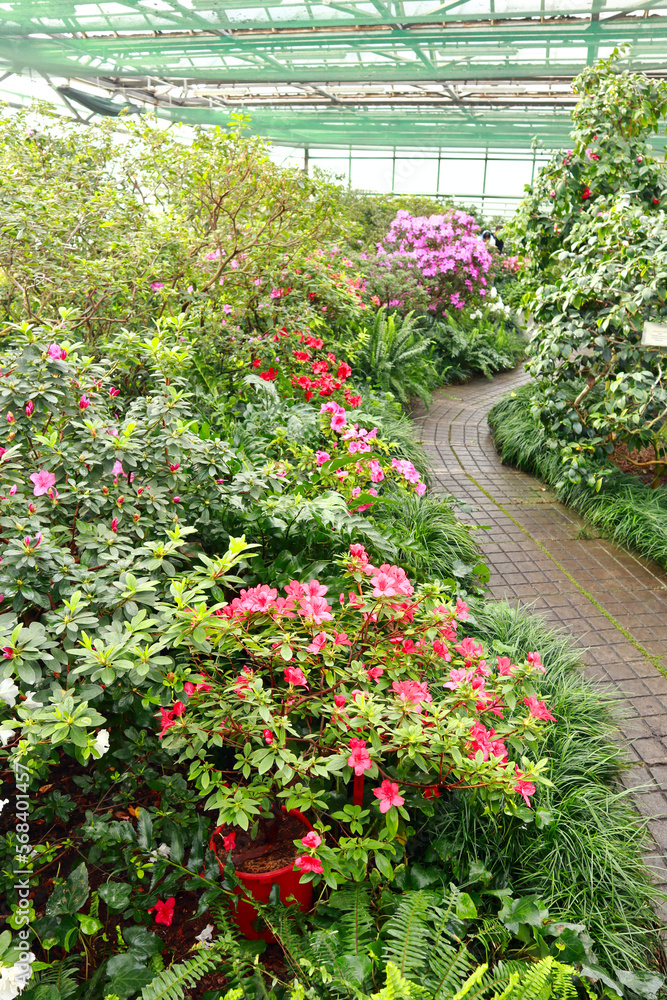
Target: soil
[621,459]
[271,849]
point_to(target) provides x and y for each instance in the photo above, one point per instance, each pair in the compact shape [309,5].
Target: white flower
[6,735]
[101,744]
[13,980]
[8,693]
[206,934]
[3,803]
[30,701]
[163,851]
[493,293]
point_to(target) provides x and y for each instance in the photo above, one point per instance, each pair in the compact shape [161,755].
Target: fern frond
[397,987]
[407,933]
[171,984]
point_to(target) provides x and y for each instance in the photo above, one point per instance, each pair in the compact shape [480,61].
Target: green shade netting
[483,51]
[25,16]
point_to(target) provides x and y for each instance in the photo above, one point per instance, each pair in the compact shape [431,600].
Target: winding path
[541,556]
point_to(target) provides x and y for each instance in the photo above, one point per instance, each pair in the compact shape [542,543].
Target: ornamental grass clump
[356,714]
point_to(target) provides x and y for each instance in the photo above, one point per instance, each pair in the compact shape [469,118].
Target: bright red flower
[269,375]
[360,759]
[586,194]
[165,911]
[229,842]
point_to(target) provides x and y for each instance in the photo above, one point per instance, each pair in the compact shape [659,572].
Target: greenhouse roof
[377,72]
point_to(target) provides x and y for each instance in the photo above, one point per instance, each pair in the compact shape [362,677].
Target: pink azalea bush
[444,253]
[380,695]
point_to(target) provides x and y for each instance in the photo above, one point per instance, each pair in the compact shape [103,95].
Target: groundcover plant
[239,637]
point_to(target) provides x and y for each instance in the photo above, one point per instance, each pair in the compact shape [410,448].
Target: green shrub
[625,509]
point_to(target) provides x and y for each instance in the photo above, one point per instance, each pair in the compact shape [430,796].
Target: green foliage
[594,226]
[479,343]
[429,537]
[123,230]
[613,120]
[394,357]
[625,509]
[172,983]
[582,848]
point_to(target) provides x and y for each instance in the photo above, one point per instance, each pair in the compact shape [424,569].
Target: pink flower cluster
[449,257]
[408,471]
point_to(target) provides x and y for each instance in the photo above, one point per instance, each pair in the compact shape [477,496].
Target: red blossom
[165,911]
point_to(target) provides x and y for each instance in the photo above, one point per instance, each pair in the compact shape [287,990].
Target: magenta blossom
[388,795]
[42,480]
[305,863]
[294,675]
[56,353]
[311,839]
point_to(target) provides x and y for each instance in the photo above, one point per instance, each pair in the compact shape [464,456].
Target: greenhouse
[333,500]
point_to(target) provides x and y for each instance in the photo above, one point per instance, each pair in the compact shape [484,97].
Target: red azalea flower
[586,194]
[269,375]
[229,842]
[165,911]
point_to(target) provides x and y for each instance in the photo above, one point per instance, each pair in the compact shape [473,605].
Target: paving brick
[633,592]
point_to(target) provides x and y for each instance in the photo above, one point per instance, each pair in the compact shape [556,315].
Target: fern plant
[172,983]
[394,356]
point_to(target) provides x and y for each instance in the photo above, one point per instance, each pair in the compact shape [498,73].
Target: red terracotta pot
[259,887]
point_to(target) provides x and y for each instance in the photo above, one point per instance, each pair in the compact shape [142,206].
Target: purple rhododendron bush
[261,734]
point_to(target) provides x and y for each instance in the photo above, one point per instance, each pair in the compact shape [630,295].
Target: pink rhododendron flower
[56,352]
[339,700]
[360,759]
[388,795]
[114,524]
[318,642]
[296,676]
[164,911]
[322,457]
[311,839]
[457,678]
[242,682]
[420,489]
[535,661]
[84,402]
[375,673]
[315,609]
[412,693]
[486,740]
[268,736]
[505,666]
[175,466]
[375,469]
[524,788]
[176,500]
[12,490]
[538,709]
[304,863]
[157,285]
[29,407]
[462,610]
[191,688]
[117,469]
[42,481]
[390,581]
[114,392]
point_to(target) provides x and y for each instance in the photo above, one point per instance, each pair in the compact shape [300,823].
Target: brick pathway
[613,603]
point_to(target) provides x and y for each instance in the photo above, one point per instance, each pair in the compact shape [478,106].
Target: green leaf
[71,896]
[465,907]
[115,894]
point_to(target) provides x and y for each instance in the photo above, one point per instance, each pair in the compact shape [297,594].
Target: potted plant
[356,714]
[267,859]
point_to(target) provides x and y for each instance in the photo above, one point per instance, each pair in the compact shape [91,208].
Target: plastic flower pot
[258,886]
